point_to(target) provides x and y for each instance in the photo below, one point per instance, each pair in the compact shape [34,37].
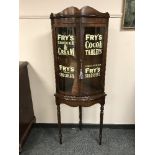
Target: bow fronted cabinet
[80,47]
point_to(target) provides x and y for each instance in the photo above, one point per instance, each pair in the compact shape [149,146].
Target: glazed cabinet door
[66,57]
[93,58]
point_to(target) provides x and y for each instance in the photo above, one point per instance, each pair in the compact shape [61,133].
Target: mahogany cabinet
[80,47]
[26,113]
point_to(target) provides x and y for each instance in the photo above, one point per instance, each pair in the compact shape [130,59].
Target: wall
[36,48]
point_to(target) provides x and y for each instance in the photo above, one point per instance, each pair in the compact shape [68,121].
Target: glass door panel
[92,64]
[66,59]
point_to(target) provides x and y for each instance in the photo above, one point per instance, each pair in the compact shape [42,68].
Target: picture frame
[128,20]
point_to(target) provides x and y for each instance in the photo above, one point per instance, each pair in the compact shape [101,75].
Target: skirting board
[71,125]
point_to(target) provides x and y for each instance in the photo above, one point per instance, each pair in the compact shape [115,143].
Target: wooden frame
[128,20]
[83,92]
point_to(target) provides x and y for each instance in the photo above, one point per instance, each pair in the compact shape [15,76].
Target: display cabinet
[80,47]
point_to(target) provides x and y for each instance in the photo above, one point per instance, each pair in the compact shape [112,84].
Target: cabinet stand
[80,102]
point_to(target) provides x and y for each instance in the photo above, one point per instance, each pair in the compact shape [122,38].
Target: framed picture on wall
[128,14]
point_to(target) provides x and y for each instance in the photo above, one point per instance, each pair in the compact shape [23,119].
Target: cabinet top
[86,11]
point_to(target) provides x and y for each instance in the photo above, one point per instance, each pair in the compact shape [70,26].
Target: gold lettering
[65,37]
[93,37]
[89,45]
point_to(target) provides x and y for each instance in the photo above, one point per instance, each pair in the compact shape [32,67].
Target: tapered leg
[101,123]
[80,117]
[59,122]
